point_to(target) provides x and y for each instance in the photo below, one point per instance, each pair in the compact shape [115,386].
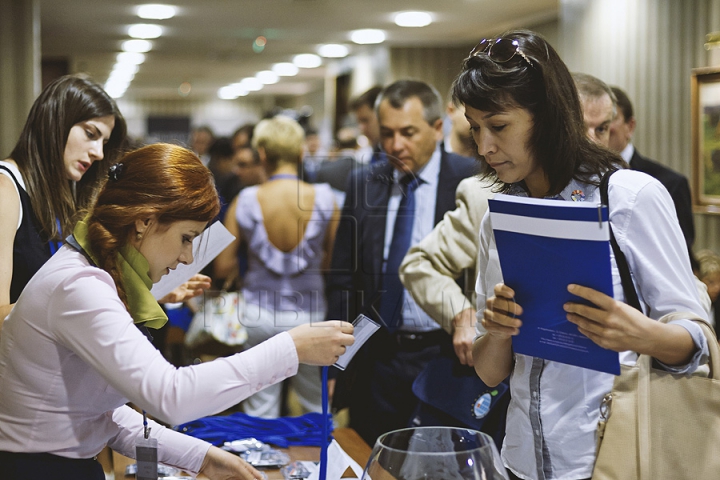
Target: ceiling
[209,42]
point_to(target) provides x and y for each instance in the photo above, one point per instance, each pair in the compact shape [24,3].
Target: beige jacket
[431,267]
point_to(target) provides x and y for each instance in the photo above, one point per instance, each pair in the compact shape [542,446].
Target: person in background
[313,156]
[74,350]
[221,161]
[708,271]
[363,107]
[458,140]
[622,129]
[73,132]
[201,139]
[242,137]
[334,170]
[390,206]
[289,228]
[598,107]
[527,122]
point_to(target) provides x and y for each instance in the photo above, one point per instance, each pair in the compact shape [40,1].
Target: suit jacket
[431,267]
[336,172]
[678,187]
[354,284]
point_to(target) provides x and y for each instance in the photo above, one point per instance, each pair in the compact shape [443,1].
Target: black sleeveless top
[30,250]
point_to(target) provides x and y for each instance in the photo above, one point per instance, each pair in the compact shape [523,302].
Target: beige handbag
[660,426]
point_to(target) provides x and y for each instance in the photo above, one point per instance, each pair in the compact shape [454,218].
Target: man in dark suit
[621,132]
[389,206]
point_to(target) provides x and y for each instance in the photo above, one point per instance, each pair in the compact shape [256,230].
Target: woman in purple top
[289,228]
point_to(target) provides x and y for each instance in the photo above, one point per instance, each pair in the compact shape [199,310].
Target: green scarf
[142,306]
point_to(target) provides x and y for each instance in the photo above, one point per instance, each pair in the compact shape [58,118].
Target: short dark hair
[623,103]
[400,92]
[539,82]
[368,98]
[592,87]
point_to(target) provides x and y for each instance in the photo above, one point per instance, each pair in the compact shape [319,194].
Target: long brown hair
[539,82]
[161,180]
[39,152]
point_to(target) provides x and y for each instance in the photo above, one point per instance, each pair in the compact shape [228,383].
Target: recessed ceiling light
[413,19]
[156,11]
[125,67]
[367,36]
[307,60]
[145,30]
[285,69]
[267,77]
[251,84]
[333,50]
[138,46]
[130,58]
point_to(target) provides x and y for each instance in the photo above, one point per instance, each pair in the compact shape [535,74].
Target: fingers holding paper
[500,316]
[322,343]
[609,323]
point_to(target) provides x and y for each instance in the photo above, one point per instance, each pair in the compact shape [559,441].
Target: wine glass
[438,453]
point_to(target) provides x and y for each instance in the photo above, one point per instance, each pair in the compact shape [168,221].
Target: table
[348,439]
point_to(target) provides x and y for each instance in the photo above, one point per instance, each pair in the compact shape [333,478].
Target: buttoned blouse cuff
[702,353]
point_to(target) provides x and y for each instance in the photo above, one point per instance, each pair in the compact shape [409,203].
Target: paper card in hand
[545,245]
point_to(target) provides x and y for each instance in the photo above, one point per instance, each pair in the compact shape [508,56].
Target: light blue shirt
[414,318]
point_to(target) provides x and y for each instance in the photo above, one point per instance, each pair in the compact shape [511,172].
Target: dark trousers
[382,399]
[45,466]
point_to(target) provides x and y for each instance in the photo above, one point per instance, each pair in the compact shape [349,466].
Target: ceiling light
[413,19]
[333,50]
[145,30]
[231,92]
[367,36]
[267,77]
[139,46]
[130,58]
[307,60]
[125,68]
[156,12]
[285,69]
[120,76]
[251,84]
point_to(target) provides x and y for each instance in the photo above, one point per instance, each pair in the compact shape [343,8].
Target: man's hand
[463,335]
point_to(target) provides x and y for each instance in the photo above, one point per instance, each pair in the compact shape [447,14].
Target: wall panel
[648,48]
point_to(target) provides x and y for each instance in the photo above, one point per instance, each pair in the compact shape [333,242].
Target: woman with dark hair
[527,124]
[73,351]
[73,132]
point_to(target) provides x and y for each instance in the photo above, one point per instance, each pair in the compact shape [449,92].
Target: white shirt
[414,318]
[628,152]
[19,178]
[554,409]
[70,358]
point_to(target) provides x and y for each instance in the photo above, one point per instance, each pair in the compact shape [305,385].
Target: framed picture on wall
[705,97]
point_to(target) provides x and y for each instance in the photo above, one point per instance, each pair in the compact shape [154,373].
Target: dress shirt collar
[628,152]
[429,172]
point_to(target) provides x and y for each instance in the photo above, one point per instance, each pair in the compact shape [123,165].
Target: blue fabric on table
[305,430]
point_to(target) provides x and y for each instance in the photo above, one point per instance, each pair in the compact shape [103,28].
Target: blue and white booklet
[545,245]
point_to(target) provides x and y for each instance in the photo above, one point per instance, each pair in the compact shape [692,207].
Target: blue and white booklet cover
[545,245]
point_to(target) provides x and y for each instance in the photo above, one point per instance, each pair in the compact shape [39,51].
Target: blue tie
[391,302]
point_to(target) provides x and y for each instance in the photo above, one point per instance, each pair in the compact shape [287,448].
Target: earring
[138,236]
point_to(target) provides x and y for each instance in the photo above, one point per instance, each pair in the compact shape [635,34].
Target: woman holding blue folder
[527,123]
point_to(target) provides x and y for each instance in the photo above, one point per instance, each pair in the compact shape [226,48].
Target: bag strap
[631,296]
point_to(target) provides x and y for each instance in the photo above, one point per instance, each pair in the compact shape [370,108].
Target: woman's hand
[617,326]
[221,465]
[500,317]
[321,343]
[192,288]
[609,323]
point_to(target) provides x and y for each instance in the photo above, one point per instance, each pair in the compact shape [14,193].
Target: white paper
[338,462]
[206,247]
[364,329]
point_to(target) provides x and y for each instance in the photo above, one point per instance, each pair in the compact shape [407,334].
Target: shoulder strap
[631,296]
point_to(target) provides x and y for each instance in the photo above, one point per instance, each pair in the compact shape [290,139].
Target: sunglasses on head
[500,50]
